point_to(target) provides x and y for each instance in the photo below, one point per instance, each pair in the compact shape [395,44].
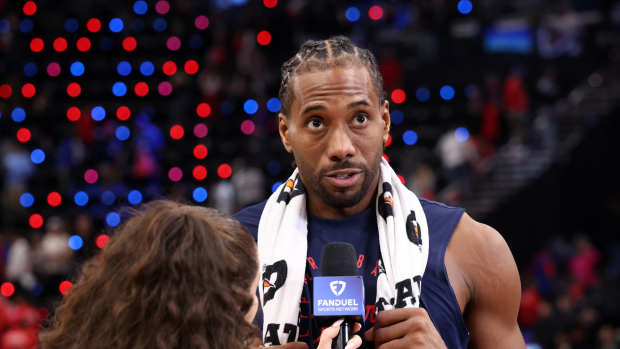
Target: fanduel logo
[334,287]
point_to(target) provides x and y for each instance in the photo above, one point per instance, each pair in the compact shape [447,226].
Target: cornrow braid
[323,55]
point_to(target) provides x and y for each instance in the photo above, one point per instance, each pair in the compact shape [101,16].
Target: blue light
[119,89]
[250,106]
[112,219]
[195,42]
[397,117]
[80,198]
[106,44]
[160,24]
[71,25]
[77,68]
[147,68]
[274,105]
[116,25]
[26,200]
[30,69]
[123,68]
[37,156]
[140,7]
[275,186]
[465,6]
[108,197]
[134,197]
[5,26]
[200,194]
[422,94]
[26,26]
[461,134]
[273,167]
[97,113]
[352,14]
[75,242]
[410,137]
[122,133]
[446,92]
[18,114]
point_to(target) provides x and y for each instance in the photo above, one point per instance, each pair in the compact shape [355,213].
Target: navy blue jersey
[361,231]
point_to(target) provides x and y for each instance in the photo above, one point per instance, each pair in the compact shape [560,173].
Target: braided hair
[337,51]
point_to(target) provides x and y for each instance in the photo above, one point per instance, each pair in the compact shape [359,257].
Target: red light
[175,174]
[177,132]
[36,45]
[74,89]
[91,176]
[83,44]
[173,43]
[5,91]
[169,68]
[224,171]
[164,88]
[54,199]
[123,113]
[35,221]
[398,96]
[263,38]
[203,110]
[389,140]
[375,13]
[130,43]
[23,135]
[53,69]
[200,151]
[141,89]
[93,25]
[60,44]
[199,172]
[201,22]
[270,3]
[191,67]
[102,240]
[201,130]
[7,289]
[387,158]
[28,90]
[74,114]
[30,8]
[248,127]
[402,179]
[65,287]
[162,7]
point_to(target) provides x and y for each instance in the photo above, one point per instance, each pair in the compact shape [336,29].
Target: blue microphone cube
[338,296]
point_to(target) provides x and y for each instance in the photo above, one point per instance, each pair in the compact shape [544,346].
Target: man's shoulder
[250,217]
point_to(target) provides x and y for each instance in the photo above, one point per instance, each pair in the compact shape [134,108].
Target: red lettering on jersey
[306,334]
[312,263]
[370,314]
[374,271]
[303,300]
[360,261]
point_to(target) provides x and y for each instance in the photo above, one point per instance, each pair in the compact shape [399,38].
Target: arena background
[507,108]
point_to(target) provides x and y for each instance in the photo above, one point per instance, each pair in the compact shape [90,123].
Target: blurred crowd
[473,81]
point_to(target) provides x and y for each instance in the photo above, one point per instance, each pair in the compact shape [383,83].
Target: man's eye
[315,124]
[361,119]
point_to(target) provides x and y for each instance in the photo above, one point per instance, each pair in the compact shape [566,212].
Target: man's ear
[387,122]
[283,129]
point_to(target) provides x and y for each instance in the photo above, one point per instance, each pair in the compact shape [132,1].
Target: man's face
[336,129]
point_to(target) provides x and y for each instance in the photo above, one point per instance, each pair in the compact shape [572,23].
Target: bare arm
[495,287]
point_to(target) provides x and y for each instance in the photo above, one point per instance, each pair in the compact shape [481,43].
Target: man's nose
[340,144]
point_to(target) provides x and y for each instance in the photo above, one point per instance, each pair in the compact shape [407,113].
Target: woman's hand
[331,332]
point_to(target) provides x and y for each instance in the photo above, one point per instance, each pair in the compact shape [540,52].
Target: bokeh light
[397,117]
[224,171]
[18,114]
[26,25]
[200,151]
[147,68]
[75,242]
[191,67]
[162,7]
[93,25]
[169,68]
[54,199]
[53,69]
[112,219]
[116,25]
[7,289]
[130,44]
[23,135]
[375,12]
[108,197]
[422,94]
[201,130]
[119,89]
[71,25]
[461,134]
[28,90]
[465,6]
[175,174]
[203,110]
[30,69]
[250,106]
[91,176]
[98,113]
[389,141]
[35,221]
[410,137]
[177,132]
[199,172]
[398,96]
[26,200]
[160,24]
[102,240]
[74,114]
[134,197]
[274,105]
[446,92]
[140,7]
[123,113]
[80,198]
[29,8]
[173,43]
[164,88]
[77,68]
[37,45]
[352,14]
[60,44]
[37,156]
[83,44]
[122,133]
[200,194]
[65,287]
[248,127]
[201,22]
[141,89]
[270,3]
[5,91]
[263,38]
[123,68]
[74,89]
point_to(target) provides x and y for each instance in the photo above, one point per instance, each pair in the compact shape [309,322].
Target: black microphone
[339,291]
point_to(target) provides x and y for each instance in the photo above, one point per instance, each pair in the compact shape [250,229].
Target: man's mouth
[343,178]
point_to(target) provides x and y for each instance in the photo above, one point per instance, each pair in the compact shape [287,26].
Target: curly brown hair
[172,276]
